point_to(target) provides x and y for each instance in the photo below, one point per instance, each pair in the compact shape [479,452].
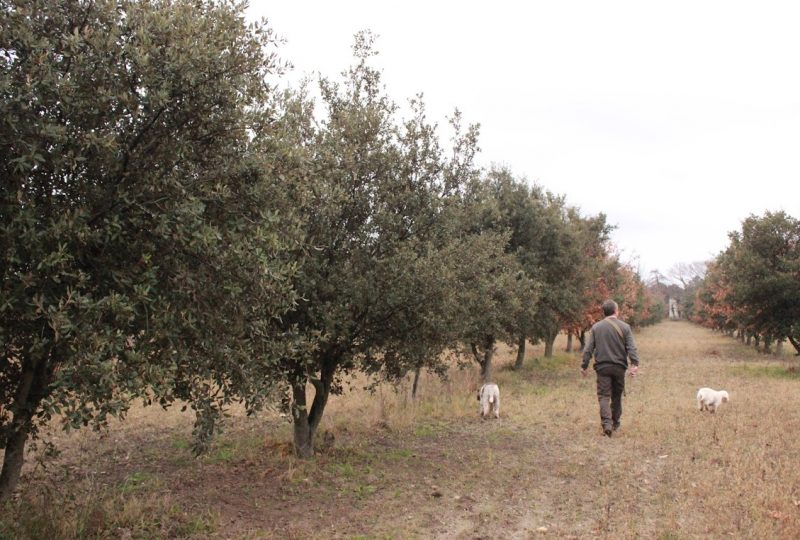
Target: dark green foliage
[496,292]
[382,208]
[171,228]
[762,267]
[555,246]
[143,252]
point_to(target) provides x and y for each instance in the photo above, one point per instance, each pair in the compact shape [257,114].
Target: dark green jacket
[611,343]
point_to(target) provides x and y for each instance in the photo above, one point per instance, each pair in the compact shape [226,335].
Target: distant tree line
[752,289]
[177,228]
[680,285]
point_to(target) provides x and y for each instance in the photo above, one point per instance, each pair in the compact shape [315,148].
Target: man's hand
[634,370]
[583,371]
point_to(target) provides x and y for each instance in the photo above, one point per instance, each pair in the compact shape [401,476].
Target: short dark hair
[609,307]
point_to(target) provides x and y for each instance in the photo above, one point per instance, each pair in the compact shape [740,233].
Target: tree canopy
[174,228]
[753,285]
[144,254]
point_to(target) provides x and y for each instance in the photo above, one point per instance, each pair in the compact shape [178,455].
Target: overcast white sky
[676,119]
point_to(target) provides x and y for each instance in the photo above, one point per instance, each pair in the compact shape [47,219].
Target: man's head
[610,308]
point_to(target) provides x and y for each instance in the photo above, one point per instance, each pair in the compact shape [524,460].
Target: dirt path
[543,470]
[671,472]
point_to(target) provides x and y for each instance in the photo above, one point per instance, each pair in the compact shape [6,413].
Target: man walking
[611,343]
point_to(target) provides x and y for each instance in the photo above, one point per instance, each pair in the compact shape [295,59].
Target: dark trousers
[610,386]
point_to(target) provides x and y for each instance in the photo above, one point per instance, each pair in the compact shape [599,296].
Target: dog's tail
[491,399]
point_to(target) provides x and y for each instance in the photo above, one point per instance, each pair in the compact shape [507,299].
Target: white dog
[709,399]
[489,396]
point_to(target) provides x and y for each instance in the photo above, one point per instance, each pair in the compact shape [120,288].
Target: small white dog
[489,396]
[709,399]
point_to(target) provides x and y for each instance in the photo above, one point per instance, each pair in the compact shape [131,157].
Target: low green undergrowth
[776,371]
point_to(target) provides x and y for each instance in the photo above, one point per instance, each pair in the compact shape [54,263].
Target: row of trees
[752,288]
[176,228]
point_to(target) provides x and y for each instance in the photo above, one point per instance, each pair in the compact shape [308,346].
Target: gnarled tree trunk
[795,344]
[582,339]
[569,342]
[31,389]
[415,385]
[307,421]
[303,435]
[520,353]
[485,359]
[13,460]
[548,345]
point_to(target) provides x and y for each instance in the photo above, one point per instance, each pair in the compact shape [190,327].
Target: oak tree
[144,252]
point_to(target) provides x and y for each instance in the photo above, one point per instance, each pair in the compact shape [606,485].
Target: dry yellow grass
[431,468]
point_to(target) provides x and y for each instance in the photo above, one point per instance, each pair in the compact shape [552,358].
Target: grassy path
[390,468]
[672,472]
